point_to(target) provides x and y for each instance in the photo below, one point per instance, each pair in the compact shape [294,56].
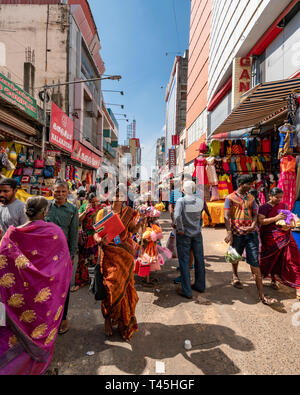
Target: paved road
[231,333]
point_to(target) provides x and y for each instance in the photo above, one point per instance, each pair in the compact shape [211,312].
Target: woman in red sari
[280,256]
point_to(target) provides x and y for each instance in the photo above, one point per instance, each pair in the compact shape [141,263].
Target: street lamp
[121,92]
[43,94]
[120,105]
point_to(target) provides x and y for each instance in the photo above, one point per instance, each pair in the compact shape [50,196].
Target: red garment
[244,164]
[266,146]
[280,256]
[226,166]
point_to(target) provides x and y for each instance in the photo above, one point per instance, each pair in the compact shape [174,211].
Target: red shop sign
[84,155]
[62,129]
[175,139]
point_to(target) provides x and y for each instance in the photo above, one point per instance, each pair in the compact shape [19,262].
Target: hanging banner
[172,158]
[61,129]
[11,93]
[241,82]
[84,155]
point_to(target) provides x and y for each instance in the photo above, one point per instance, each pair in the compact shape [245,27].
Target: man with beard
[11,209]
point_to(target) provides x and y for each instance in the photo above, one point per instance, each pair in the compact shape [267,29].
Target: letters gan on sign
[242,70]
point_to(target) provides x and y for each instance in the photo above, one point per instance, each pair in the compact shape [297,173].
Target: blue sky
[135,36]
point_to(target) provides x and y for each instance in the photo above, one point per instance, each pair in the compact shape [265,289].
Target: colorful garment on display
[35,274]
[211,171]
[223,186]
[287,181]
[286,132]
[200,171]
[215,148]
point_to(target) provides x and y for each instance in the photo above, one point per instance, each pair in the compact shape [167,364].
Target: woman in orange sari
[117,265]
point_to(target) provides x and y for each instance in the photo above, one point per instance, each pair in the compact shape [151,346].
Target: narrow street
[230,332]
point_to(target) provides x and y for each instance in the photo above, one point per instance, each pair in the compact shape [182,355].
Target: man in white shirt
[11,209]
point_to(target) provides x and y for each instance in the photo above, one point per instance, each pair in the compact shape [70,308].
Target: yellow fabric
[23,195]
[216,210]
[18,148]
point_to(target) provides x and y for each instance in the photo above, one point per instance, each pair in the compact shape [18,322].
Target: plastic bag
[171,244]
[232,256]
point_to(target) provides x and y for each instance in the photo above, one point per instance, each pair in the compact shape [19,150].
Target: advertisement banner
[172,158]
[61,129]
[11,93]
[84,155]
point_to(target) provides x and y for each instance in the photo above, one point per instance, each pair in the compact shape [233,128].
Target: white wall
[236,27]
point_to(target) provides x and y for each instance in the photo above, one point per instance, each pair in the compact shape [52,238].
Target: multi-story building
[176,96]
[234,46]
[265,34]
[196,117]
[64,39]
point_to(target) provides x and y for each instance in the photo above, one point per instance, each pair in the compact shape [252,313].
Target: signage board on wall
[11,93]
[172,158]
[241,81]
[84,155]
[61,129]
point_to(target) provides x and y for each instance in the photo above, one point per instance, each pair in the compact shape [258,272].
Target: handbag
[18,172]
[39,163]
[50,161]
[33,180]
[12,154]
[48,172]
[21,157]
[18,179]
[25,179]
[38,172]
[49,182]
[27,171]
[29,162]
[97,287]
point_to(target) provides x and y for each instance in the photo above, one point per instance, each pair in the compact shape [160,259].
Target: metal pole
[45,123]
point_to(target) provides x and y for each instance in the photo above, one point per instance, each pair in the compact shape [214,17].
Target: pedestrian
[65,215]
[83,186]
[117,267]
[11,208]
[279,256]
[240,215]
[35,270]
[81,199]
[88,248]
[188,223]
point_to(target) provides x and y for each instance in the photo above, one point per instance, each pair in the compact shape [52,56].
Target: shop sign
[175,139]
[84,155]
[61,129]
[172,158]
[53,153]
[11,93]
[241,82]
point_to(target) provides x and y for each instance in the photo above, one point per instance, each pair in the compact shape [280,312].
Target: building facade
[62,39]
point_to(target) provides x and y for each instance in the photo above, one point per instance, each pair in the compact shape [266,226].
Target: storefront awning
[258,104]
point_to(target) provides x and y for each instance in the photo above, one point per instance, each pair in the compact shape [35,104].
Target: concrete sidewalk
[230,332]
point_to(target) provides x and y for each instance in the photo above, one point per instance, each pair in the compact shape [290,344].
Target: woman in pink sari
[35,274]
[280,256]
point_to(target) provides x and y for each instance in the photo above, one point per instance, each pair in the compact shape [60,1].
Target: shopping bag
[232,256]
[171,245]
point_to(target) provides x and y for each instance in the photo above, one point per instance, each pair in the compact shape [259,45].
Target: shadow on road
[160,342]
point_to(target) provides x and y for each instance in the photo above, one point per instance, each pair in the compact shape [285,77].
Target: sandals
[63,329]
[274,286]
[77,287]
[237,284]
[267,300]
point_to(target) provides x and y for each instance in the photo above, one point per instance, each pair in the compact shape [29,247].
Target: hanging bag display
[21,157]
[39,163]
[48,172]
[27,171]
[29,162]
[50,161]
[12,154]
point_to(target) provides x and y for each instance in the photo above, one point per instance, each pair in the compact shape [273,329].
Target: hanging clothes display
[200,171]
[287,181]
[211,171]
